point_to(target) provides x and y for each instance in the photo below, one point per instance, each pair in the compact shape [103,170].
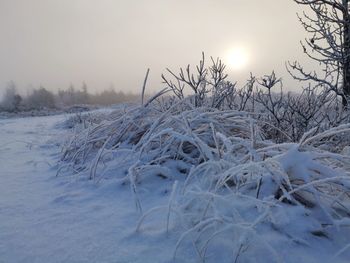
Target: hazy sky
[58,42]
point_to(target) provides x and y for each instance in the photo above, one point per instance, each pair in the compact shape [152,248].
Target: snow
[68,218]
[44,218]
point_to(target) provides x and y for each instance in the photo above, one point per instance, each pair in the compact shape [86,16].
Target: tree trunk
[346,65]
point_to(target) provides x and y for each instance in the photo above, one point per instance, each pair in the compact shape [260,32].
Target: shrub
[40,98]
[11,99]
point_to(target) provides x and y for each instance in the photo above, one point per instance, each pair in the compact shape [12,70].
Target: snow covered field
[44,218]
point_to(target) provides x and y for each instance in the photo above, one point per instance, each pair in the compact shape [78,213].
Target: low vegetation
[243,163]
[45,100]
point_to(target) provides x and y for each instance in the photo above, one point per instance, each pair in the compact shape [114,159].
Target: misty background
[56,43]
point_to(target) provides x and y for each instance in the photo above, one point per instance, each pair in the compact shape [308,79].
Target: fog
[105,42]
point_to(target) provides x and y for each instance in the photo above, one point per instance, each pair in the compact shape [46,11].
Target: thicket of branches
[283,116]
[242,162]
[327,23]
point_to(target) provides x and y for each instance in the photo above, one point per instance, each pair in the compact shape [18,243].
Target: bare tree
[329,44]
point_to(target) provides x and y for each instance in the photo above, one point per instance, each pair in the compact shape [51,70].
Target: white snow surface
[44,218]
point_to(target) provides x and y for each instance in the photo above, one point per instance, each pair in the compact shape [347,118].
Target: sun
[237,58]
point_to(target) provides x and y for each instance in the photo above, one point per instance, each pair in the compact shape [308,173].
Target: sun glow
[237,58]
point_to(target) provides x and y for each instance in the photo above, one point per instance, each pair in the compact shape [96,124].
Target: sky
[55,43]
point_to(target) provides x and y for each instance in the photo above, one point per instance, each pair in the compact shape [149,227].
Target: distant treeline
[41,98]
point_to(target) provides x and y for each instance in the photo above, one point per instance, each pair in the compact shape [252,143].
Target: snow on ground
[44,218]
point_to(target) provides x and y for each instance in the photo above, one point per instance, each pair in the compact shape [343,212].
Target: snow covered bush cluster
[11,100]
[231,180]
[248,169]
[286,115]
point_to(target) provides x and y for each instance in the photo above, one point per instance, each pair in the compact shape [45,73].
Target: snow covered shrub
[287,116]
[40,99]
[244,182]
[294,190]
[83,120]
[11,99]
[236,195]
[283,117]
[182,133]
[208,86]
[71,96]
